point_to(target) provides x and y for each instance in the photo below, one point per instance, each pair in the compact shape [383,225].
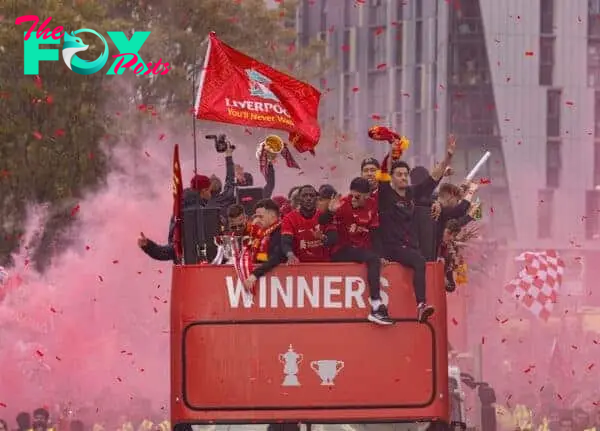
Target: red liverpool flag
[177,196]
[238,89]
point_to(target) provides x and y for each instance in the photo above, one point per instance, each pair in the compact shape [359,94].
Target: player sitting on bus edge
[396,211]
[356,221]
[267,252]
[303,238]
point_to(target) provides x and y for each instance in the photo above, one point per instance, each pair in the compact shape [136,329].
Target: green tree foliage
[54,128]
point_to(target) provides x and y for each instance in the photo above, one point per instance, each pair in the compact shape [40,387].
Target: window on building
[346,50]
[377,48]
[418,9]
[545,213]
[419,79]
[397,120]
[418,128]
[398,96]
[553,106]
[593,63]
[377,12]
[592,214]
[468,63]
[348,95]
[419,42]
[350,14]
[553,164]
[594,18]
[398,59]
[546,60]
[596,163]
[547,16]
[378,92]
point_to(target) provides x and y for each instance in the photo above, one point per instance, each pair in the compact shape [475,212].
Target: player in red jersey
[303,238]
[357,220]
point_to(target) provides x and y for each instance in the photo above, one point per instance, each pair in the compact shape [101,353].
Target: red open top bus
[303,350]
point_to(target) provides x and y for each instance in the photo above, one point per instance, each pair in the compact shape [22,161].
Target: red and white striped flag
[537,285]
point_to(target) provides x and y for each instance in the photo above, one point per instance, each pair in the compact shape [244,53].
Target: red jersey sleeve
[287,224]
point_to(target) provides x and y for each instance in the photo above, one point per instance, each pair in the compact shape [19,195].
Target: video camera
[221,142]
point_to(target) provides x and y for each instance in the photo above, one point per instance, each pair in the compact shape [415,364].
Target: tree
[52,124]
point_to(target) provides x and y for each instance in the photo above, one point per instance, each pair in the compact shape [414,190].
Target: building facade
[520,78]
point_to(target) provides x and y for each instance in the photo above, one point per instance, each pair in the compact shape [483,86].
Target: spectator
[41,419]
[243,179]
[24,421]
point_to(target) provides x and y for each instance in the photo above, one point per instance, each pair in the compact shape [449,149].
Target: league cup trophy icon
[290,361]
[327,369]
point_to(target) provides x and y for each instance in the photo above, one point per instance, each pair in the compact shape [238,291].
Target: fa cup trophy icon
[290,361]
[327,369]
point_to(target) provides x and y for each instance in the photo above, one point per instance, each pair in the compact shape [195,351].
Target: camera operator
[204,192]
[222,197]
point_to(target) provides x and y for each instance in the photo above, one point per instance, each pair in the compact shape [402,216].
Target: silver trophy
[290,361]
[225,245]
[327,369]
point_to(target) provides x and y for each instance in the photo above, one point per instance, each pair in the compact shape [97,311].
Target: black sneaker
[380,316]
[450,284]
[424,311]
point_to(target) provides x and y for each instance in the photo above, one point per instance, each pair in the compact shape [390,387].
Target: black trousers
[363,255]
[411,258]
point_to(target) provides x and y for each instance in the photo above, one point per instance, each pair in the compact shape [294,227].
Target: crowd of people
[65,419]
[374,224]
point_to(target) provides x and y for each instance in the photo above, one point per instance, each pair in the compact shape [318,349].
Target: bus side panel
[303,350]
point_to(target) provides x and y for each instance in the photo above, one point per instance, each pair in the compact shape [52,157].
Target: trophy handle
[339,365]
[300,357]
[314,366]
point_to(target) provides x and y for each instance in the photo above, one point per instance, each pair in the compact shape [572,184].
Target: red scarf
[261,243]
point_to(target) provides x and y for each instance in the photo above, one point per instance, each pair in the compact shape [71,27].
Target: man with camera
[202,193]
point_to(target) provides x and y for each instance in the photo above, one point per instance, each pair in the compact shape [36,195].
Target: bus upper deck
[302,349]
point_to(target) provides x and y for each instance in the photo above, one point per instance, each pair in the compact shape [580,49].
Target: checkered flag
[537,284]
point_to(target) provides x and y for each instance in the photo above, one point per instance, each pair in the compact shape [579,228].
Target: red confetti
[355,89]
[482,340]
[2,405]
[75,210]
[246,199]
[590,366]
[147,153]
[529,53]
[454,321]
[376,117]
[569,103]
[484,180]
[381,66]
[87,247]
[100,278]
[378,31]
[115,261]
[161,137]
[39,353]
[37,135]
[59,133]
[247,131]
[53,309]
[119,379]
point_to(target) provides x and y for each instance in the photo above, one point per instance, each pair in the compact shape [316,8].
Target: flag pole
[194,112]
[195,98]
